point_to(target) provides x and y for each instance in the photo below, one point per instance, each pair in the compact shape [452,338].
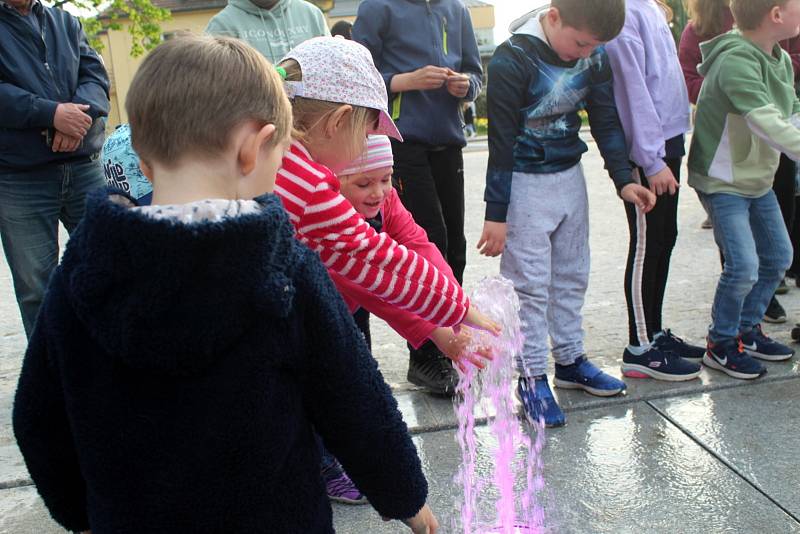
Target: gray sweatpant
[547,259]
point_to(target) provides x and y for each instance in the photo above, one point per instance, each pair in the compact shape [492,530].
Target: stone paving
[711,455]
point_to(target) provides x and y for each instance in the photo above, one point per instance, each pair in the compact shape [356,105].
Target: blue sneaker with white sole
[538,402]
[729,357]
[585,375]
[758,345]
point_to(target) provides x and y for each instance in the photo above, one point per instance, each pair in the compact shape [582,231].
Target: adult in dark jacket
[428,56]
[53,100]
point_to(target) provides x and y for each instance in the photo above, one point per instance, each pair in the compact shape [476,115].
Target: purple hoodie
[649,89]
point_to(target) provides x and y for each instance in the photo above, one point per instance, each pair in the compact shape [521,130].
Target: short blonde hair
[191,92]
[748,14]
[308,112]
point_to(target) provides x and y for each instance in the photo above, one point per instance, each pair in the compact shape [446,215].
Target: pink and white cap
[338,70]
[377,155]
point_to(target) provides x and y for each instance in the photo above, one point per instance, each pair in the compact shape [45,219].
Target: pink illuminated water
[489,395]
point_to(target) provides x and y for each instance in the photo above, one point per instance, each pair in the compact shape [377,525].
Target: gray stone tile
[416,411]
[754,429]
[623,469]
[22,512]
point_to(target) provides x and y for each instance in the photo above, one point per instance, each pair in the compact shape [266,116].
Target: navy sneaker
[538,402]
[585,375]
[658,364]
[667,341]
[757,345]
[730,358]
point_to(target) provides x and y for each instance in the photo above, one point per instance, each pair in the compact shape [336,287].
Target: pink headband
[377,155]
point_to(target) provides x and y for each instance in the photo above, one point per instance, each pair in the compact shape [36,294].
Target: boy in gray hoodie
[273,27]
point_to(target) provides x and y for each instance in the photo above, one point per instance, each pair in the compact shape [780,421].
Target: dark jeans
[430,183]
[31,204]
[652,238]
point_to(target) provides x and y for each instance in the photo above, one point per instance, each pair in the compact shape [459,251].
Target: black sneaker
[782,288]
[667,341]
[432,370]
[775,312]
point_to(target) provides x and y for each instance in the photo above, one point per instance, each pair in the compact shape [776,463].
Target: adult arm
[372,22]
[470,57]
[93,84]
[21,109]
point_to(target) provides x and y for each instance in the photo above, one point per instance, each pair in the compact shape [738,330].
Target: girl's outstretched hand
[454,346]
[476,319]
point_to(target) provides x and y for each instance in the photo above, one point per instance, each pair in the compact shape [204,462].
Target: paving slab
[754,429]
[23,512]
[622,469]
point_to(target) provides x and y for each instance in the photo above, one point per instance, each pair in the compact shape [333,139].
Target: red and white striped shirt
[327,223]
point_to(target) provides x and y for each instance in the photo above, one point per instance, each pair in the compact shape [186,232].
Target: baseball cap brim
[386,126]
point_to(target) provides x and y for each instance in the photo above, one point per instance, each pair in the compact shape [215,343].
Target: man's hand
[457,84]
[424,79]
[65,143]
[663,181]
[644,199]
[71,120]
[454,346]
[493,238]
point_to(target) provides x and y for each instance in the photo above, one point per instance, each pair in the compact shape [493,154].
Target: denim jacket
[533,103]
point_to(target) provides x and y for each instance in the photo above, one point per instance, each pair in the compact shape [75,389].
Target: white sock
[641,349]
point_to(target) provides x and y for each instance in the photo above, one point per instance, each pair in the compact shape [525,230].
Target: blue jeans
[31,204]
[754,241]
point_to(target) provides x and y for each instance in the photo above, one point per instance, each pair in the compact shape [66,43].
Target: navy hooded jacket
[177,373]
[38,71]
[405,35]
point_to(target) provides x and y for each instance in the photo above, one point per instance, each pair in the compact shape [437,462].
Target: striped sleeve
[327,223]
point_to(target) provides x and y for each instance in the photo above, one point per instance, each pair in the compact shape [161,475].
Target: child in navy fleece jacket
[188,350]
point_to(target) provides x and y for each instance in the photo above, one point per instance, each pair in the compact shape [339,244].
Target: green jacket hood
[716,47]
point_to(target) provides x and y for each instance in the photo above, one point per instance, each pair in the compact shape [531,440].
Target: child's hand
[663,181]
[423,523]
[457,83]
[476,319]
[493,238]
[454,346]
[644,199]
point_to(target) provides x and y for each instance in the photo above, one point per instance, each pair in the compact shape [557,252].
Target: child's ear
[338,119]
[251,147]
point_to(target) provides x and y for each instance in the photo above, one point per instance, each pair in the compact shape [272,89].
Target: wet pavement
[710,455]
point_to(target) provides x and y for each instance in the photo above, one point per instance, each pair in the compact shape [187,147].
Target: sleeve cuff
[622,178]
[656,167]
[496,212]
[45,112]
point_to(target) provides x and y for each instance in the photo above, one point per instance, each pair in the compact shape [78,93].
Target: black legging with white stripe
[652,238]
